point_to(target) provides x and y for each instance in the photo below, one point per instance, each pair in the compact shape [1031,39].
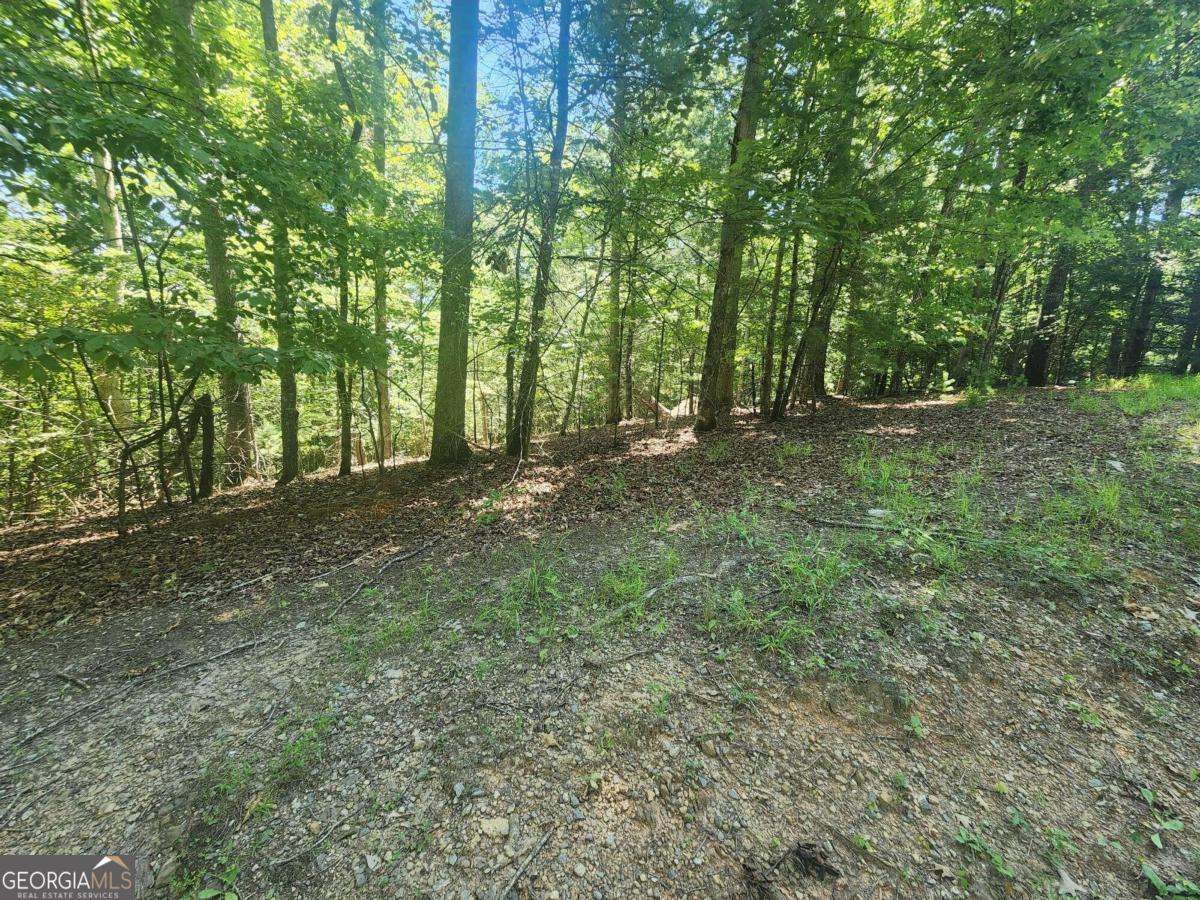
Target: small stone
[580,869]
[373,861]
[497,827]
[459,790]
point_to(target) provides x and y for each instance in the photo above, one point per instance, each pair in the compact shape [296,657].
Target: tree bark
[587,310]
[379,266]
[241,453]
[716,399]
[616,162]
[284,310]
[1138,338]
[768,361]
[1189,349]
[1037,362]
[449,444]
[517,441]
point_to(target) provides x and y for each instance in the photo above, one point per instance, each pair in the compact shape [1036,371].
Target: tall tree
[517,442]
[241,453]
[379,107]
[284,309]
[716,379]
[449,442]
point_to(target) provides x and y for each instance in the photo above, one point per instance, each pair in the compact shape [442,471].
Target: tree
[716,383]
[449,443]
[517,440]
[284,310]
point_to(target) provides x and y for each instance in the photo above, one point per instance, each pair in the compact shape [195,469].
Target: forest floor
[919,649]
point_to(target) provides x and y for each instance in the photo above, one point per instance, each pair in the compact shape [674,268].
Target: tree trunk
[1189,350]
[284,310]
[716,374]
[587,310]
[616,162]
[517,441]
[1037,362]
[241,453]
[1138,338]
[207,438]
[379,27]
[782,387]
[449,443]
[769,345]
[345,401]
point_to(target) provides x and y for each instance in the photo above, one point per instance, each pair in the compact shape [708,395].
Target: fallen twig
[207,659]
[309,848]
[512,882]
[78,682]
[409,555]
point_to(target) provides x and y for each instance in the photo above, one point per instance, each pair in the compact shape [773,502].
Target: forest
[245,244]
[601,448]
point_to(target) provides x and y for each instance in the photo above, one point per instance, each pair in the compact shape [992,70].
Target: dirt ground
[920,649]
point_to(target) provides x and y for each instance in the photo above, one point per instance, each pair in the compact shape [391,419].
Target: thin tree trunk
[379,266]
[579,344]
[517,442]
[241,454]
[782,386]
[769,346]
[281,269]
[1189,350]
[1138,339]
[616,162]
[1037,362]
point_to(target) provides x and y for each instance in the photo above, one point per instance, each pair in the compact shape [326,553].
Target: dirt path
[663,669]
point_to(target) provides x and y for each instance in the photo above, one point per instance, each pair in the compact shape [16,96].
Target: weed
[301,753]
[790,450]
[915,727]
[616,486]
[974,397]
[1060,844]
[660,699]
[718,453]
[979,847]
[1172,888]
[808,572]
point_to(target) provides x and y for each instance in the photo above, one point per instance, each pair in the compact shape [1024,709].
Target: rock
[497,827]
[459,790]
[876,513]
[167,872]
[373,861]
[1116,465]
[580,870]
[393,674]
[709,747]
